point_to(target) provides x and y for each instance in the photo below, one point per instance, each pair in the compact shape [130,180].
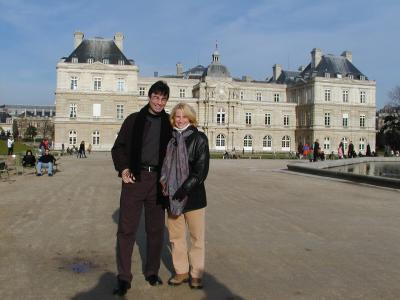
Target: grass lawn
[19,148]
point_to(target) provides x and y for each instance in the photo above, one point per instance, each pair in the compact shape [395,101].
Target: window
[268,119]
[345,120]
[106,61]
[97,84]
[220,142]
[96,110]
[90,60]
[327,119]
[72,137]
[221,116]
[74,82]
[350,76]
[142,91]
[362,77]
[121,62]
[327,75]
[120,84]
[248,118]
[241,95]
[285,120]
[182,93]
[327,143]
[345,96]
[74,60]
[120,111]
[345,144]
[286,143]
[96,137]
[258,96]
[362,121]
[277,97]
[363,97]
[248,142]
[267,142]
[361,146]
[72,110]
[327,95]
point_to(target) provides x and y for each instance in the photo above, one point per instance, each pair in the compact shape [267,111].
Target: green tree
[31,131]
[15,129]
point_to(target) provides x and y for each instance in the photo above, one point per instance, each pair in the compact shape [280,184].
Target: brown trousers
[181,257]
[133,197]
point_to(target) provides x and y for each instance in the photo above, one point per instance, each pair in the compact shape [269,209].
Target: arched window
[345,144]
[361,146]
[327,143]
[221,116]
[72,137]
[96,137]
[220,142]
[267,143]
[248,142]
[286,143]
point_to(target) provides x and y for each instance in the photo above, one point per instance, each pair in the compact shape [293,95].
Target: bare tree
[394,95]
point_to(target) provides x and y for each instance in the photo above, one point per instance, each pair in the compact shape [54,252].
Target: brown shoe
[178,279]
[196,283]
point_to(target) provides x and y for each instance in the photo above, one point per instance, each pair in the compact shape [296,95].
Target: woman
[182,177]
[340,150]
[29,159]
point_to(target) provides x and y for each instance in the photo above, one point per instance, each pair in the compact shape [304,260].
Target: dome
[216,70]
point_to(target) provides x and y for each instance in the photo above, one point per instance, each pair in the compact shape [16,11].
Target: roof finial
[216,44]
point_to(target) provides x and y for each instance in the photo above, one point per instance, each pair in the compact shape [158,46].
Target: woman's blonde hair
[188,111]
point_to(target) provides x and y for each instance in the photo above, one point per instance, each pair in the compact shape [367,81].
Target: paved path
[270,235]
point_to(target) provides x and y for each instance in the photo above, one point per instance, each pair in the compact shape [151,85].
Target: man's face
[46,152]
[157,103]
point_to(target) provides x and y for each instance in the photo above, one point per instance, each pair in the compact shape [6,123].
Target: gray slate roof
[98,49]
[287,77]
[333,65]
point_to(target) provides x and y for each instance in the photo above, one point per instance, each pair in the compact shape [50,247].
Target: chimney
[301,68]
[247,78]
[276,71]
[179,69]
[78,38]
[316,55]
[155,73]
[348,55]
[119,40]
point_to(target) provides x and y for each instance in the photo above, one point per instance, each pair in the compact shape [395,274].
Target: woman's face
[180,120]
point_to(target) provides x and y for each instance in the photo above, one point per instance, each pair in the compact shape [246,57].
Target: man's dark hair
[160,87]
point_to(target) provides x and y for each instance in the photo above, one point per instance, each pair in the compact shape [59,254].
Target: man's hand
[127,176]
[179,194]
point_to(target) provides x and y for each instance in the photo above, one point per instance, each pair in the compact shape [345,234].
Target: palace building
[329,100]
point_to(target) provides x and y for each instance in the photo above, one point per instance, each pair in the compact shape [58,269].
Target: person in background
[29,160]
[10,145]
[45,161]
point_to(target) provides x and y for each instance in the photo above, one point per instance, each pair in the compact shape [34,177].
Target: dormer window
[74,60]
[327,75]
[90,60]
[106,61]
[338,75]
[121,62]
[362,77]
[350,76]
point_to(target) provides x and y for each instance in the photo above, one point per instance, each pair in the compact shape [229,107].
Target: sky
[252,36]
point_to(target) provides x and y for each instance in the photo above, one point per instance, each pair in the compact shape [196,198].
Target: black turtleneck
[151,140]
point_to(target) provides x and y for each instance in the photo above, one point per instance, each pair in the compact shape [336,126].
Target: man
[316,150]
[138,154]
[45,161]
[350,153]
[10,145]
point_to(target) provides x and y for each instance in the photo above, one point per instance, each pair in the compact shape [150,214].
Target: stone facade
[241,114]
